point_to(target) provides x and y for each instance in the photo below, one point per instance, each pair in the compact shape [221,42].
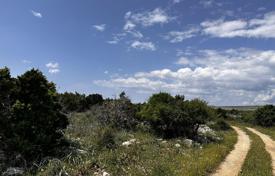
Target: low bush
[265,116]
[119,113]
[173,116]
[220,124]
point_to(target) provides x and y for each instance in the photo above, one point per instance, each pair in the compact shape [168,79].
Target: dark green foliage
[34,124]
[173,117]
[75,102]
[93,99]
[7,93]
[265,116]
[72,102]
[221,124]
[222,113]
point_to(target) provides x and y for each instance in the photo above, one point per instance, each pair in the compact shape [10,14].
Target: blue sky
[221,51]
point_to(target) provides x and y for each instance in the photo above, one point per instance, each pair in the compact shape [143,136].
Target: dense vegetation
[75,102]
[31,120]
[173,116]
[38,124]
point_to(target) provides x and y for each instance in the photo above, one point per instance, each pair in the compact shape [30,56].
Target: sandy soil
[232,164]
[269,146]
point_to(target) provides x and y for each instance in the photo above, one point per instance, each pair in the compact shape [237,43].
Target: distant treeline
[75,102]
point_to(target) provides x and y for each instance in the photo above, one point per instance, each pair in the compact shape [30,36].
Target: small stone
[188,142]
[81,151]
[177,145]
[105,174]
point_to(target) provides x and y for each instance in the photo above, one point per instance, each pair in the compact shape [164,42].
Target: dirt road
[232,164]
[269,146]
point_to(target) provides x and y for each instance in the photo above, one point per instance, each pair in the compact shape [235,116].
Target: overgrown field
[100,149]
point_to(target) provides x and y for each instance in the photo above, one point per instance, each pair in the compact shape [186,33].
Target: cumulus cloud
[143,45]
[36,14]
[243,75]
[100,27]
[179,36]
[257,28]
[53,68]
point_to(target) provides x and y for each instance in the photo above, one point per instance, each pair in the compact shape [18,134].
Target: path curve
[232,164]
[269,146]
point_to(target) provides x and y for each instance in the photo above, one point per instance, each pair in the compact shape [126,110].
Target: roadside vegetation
[258,161]
[47,133]
[105,149]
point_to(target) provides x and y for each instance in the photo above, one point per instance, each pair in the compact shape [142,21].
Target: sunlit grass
[149,156]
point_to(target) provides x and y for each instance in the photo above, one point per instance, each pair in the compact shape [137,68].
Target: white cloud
[36,14]
[53,68]
[129,26]
[207,3]
[256,28]
[147,18]
[233,76]
[176,1]
[100,27]
[143,45]
[183,61]
[179,36]
[117,38]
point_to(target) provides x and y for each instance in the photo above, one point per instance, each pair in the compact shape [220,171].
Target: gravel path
[269,146]
[232,164]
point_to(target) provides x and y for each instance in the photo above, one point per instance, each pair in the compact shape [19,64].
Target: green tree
[265,116]
[7,98]
[172,116]
[36,118]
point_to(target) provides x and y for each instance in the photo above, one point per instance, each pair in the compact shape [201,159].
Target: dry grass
[149,157]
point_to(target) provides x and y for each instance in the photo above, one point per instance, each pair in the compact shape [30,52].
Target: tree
[75,102]
[93,99]
[198,113]
[265,116]
[172,116]
[7,92]
[36,120]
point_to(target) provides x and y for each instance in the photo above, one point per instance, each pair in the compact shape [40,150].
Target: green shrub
[265,116]
[34,126]
[173,117]
[222,113]
[221,124]
[75,102]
